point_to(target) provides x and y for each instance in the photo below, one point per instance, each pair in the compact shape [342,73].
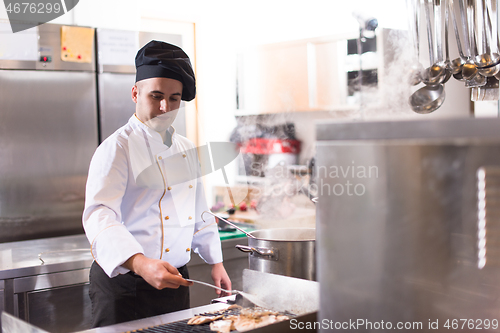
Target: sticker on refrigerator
[117,47]
[76,44]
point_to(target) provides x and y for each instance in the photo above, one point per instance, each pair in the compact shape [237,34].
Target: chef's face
[156,96]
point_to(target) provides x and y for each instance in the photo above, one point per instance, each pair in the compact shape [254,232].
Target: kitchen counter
[53,294]
[231,234]
[58,253]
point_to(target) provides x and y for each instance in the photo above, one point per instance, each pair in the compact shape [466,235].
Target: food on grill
[243,324]
[256,312]
[247,319]
[222,326]
[234,306]
[198,320]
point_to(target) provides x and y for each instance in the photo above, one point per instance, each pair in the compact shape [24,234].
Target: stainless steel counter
[19,259]
[53,294]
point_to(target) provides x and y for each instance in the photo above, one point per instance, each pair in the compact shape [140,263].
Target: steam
[275,184]
[390,99]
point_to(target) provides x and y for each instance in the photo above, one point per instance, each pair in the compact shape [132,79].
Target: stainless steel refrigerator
[48,129]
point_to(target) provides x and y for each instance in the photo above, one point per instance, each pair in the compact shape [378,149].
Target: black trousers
[129,297]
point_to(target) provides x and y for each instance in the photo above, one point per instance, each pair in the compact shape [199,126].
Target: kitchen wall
[225,27]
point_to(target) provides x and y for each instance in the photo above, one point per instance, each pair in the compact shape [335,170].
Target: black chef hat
[160,59]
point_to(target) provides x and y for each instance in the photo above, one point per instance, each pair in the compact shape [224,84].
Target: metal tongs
[213,286]
[252,298]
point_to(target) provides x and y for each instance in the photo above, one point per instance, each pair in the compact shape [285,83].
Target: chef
[145,199]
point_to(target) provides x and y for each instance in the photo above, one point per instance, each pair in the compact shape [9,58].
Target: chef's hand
[158,273]
[221,279]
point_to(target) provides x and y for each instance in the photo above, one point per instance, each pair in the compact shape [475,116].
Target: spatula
[252,298]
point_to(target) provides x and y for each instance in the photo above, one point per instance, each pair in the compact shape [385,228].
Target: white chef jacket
[144,197]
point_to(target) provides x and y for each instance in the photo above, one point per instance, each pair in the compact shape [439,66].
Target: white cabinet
[290,77]
[317,74]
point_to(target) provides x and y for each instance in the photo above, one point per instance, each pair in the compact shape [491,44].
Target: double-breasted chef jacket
[145,197]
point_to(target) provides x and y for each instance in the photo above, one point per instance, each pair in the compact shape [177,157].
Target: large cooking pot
[288,251]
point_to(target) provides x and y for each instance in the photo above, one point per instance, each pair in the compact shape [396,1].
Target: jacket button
[183,155]
[167,250]
[190,186]
[166,217]
[159,157]
[190,218]
[188,249]
[169,188]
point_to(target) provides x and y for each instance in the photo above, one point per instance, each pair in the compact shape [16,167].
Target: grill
[181,326]
[177,327]
[303,302]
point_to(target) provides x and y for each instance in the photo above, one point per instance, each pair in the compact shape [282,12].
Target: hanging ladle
[427,99]
[439,66]
[230,223]
[490,60]
[469,69]
[415,76]
[456,64]
[431,75]
[447,61]
[430,97]
[486,33]
[470,72]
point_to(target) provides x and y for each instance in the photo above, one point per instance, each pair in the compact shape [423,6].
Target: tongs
[252,298]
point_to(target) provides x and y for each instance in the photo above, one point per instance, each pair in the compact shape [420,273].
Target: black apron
[129,297]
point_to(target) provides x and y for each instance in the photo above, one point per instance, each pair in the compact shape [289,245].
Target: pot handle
[269,253]
[244,248]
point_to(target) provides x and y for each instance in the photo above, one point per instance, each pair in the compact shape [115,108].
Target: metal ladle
[456,64]
[487,58]
[427,99]
[447,61]
[492,11]
[430,97]
[230,223]
[415,76]
[436,73]
[490,60]
[469,69]
[476,81]
[440,67]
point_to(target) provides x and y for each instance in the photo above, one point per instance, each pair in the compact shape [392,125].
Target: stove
[304,301]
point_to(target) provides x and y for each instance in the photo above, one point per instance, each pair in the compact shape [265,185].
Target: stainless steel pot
[288,251]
